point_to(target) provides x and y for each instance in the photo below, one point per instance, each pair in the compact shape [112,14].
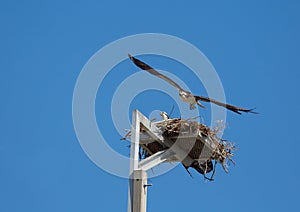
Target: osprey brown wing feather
[235,109]
[151,70]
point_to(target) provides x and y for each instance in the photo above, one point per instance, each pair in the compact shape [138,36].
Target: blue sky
[44,45]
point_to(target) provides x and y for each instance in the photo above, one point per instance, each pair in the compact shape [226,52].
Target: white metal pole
[138,191]
[135,139]
[137,195]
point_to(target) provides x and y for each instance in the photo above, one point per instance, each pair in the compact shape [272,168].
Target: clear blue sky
[254,47]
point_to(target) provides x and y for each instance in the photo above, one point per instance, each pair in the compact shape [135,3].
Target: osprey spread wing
[185,95]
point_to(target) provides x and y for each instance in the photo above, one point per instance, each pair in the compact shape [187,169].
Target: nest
[201,143]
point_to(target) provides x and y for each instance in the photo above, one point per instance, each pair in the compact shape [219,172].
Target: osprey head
[186,96]
[164,115]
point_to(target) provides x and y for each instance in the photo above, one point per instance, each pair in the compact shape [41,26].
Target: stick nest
[202,142]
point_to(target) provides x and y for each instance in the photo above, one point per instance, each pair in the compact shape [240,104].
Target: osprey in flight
[186,96]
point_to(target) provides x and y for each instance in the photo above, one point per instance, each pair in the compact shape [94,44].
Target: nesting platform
[195,141]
